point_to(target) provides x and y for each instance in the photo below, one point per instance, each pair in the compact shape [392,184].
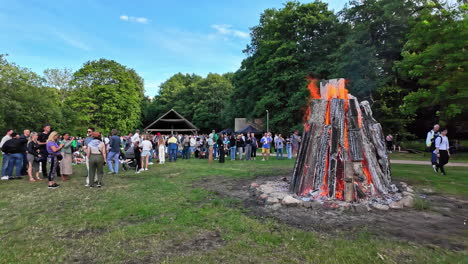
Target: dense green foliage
[107,95]
[407,58]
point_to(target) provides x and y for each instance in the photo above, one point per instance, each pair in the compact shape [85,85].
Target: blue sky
[156,38]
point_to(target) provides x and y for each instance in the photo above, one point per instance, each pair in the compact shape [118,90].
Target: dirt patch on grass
[442,225]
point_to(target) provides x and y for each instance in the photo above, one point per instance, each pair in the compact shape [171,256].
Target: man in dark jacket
[14,148]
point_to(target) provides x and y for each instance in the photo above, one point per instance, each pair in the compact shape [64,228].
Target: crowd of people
[30,153]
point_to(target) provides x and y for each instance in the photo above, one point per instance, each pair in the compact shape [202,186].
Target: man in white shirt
[430,144]
[442,150]
[136,137]
[6,158]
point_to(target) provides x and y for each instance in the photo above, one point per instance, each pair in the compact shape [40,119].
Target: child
[137,151]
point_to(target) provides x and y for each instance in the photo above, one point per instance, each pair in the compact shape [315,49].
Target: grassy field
[159,217]
[458,157]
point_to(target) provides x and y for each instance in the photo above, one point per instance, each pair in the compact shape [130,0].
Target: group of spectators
[29,153]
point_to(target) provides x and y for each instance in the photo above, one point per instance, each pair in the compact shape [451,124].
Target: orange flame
[313,94]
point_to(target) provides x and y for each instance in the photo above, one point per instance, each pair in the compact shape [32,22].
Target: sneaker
[5,178]
[53,186]
[138,171]
[141,170]
[98,185]
[146,169]
[151,163]
[86,185]
[436,170]
[110,172]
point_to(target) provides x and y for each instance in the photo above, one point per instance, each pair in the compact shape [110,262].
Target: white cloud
[141,20]
[226,30]
[72,41]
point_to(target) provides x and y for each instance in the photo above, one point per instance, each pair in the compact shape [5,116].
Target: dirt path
[443,226]
[420,162]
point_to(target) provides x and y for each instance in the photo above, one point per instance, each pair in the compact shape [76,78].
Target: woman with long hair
[66,163]
[96,154]
[53,149]
[161,149]
[34,155]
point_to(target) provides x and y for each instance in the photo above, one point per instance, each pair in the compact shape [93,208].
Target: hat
[158,134]
[95,135]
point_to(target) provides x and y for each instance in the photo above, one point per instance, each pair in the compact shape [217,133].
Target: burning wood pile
[342,154]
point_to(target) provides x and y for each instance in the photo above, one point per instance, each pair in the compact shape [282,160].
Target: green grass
[454,183]
[458,157]
[159,217]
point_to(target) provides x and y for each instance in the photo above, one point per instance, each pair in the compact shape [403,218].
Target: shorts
[145,153]
[266,150]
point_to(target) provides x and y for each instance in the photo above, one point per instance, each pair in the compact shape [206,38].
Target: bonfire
[342,154]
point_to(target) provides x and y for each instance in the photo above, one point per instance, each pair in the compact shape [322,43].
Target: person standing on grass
[67,153]
[232,147]
[137,152]
[389,141]
[146,147]
[221,147]
[288,147]
[25,163]
[442,150]
[96,153]
[279,143]
[33,158]
[86,141]
[173,147]
[240,146]
[254,146]
[430,144]
[14,149]
[42,139]
[161,149]
[53,151]
[136,137]
[210,143]
[265,141]
[114,152]
[295,142]
[248,147]
[6,157]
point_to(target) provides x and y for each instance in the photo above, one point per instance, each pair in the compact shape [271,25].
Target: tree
[25,102]
[286,46]
[59,79]
[107,95]
[435,56]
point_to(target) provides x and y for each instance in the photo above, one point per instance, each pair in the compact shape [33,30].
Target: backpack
[432,147]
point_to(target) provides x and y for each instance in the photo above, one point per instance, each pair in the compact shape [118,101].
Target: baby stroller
[127,159]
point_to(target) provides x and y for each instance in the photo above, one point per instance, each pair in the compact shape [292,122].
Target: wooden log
[349,191]
[336,141]
[354,131]
[321,158]
[303,175]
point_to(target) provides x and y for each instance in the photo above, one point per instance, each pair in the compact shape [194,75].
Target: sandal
[38,179]
[32,180]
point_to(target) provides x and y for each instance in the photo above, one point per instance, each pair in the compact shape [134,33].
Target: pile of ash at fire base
[342,154]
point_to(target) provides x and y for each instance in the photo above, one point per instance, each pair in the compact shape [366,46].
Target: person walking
[86,141]
[430,144]
[42,139]
[96,153]
[54,155]
[146,147]
[66,163]
[114,152]
[389,142]
[14,149]
[33,157]
[442,150]
[5,157]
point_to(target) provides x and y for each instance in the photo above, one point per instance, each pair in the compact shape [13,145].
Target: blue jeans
[233,153]
[16,160]
[186,152]
[433,158]
[113,156]
[172,154]
[279,153]
[6,161]
[289,151]
[215,151]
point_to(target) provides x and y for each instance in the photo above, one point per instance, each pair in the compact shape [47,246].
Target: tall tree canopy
[107,95]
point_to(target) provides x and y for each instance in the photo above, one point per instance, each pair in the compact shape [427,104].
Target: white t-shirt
[4,139]
[136,138]
[146,145]
[442,143]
